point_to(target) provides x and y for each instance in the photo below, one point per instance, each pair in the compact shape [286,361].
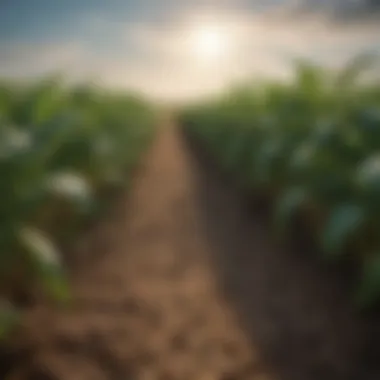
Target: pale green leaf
[72,187]
[39,246]
[45,259]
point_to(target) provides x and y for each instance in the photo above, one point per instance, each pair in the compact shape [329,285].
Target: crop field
[189,282]
[312,148]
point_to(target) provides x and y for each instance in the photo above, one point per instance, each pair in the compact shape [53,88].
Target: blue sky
[144,44]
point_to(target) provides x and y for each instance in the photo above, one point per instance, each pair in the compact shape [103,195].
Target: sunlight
[209,43]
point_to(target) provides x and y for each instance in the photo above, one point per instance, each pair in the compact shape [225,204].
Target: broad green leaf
[39,246]
[72,187]
[344,222]
[45,259]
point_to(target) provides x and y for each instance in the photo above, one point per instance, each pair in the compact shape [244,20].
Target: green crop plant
[61,148]
[313,146]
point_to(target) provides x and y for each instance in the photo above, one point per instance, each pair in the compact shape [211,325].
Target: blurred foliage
[61,149]
[313,144]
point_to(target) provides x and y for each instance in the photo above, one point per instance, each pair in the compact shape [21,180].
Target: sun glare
[209,43]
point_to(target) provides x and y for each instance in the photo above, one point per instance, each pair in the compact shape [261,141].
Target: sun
[209,43]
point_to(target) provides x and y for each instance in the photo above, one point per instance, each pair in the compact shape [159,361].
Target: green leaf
[287,206]
[39,246]
[344,221]
[45,260]
[368,290]
[72,187]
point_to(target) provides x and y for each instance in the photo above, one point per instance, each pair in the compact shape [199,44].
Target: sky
[179,49]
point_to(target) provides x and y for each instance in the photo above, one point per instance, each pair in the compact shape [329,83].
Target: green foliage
[311,144]
[61,148]
[44,260]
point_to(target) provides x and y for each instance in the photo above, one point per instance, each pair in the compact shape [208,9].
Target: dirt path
[150,307]
[186,286]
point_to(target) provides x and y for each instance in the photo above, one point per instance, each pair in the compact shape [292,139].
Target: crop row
[313,146]
[61,150]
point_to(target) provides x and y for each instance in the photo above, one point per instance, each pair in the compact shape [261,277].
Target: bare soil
[182,281]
